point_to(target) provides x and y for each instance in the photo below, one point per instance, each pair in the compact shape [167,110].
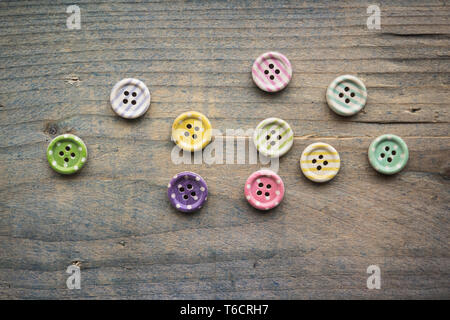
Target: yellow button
[191,131]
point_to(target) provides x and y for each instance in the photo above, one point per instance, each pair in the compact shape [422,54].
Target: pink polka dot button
[272,71]
[264,189]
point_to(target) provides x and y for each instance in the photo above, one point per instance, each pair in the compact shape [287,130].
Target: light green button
[67,154]
[388,154]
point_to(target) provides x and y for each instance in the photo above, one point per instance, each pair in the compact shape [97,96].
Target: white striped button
[273,137]
[346,95]
[320,162]
[272,71]
[130,98]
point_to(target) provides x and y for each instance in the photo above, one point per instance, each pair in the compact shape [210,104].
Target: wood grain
[114,219]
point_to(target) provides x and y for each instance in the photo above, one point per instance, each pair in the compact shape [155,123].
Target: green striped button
[388,154]
[346,95]
[66,154]
[273,137]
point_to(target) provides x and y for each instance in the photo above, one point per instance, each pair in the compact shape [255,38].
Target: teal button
[388,154]
[66,154]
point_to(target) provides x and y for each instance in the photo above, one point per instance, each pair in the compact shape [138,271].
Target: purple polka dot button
[187,191]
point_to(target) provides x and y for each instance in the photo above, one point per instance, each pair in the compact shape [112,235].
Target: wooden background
[113,218]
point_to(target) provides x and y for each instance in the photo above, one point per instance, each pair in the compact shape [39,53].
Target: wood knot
[414,110]
[445,173]
[77,263]
[72,80]
[51,128]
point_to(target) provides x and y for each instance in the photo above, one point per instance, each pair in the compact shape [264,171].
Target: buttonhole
[67,148]
[346,89]
[319,167]
[382,155]
[125,101]
[61,153]
[341,95]
[387,148]
[134,94]
[66,159]
[271,66]
[277,71]
[186,134]
[352,94]
[189,126]
[259,192]
[268,186]
[347,100]
[325,163]
[271,77]
[181,189]
[320,156]
[126,93]
[394,152]
[194,136]
[389,159]
[133,102]
[189,186]
[193,193]
[267,137]
[261,184]
[314,160]
[266,71]
[185,197]
[267,194]
[72,155]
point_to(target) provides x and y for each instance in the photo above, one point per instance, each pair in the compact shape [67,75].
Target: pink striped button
[272,71]
[264,189]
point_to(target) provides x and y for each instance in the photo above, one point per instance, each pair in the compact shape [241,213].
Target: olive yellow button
[191,131]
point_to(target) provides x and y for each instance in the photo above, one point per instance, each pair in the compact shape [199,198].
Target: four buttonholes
[126,93]
[319,167]
[267,72]
[346,89]
[261,185]
[189,126]
[268,137]
[393,153]
[72,154]
[185,196]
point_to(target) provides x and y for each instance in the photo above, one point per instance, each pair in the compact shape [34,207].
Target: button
[264,189]
[66,154]
[187,191]
[272,71]
[346,95]
[320,162]
[130,98]
[273,137]
[388,154]
[191,131]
